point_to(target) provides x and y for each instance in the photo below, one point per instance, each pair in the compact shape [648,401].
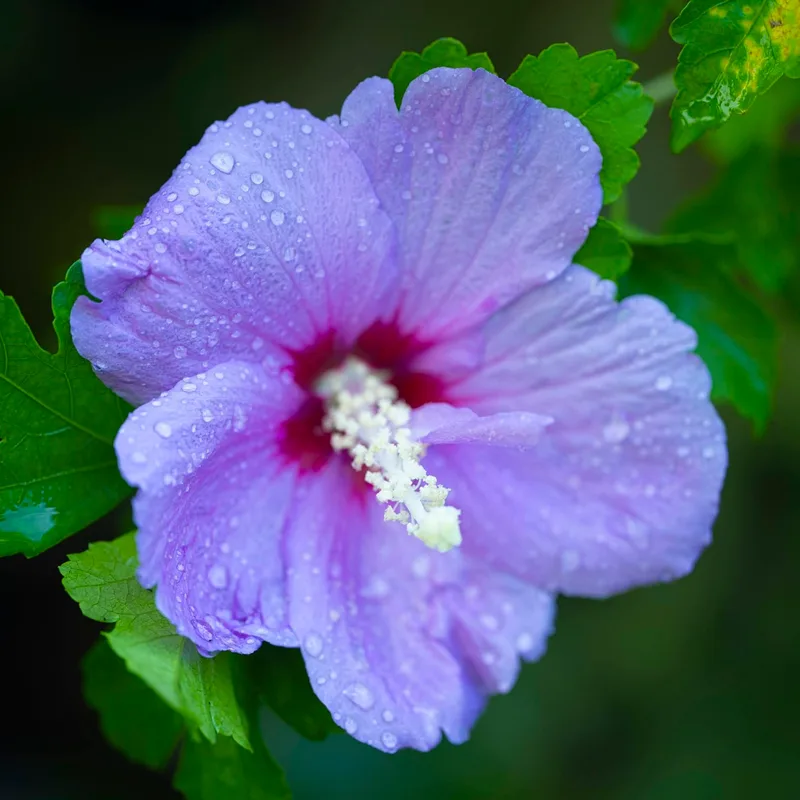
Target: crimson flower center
[383,347]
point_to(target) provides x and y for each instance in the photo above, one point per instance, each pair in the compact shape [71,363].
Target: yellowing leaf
[733,51]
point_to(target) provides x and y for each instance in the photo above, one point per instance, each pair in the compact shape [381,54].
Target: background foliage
[681,691]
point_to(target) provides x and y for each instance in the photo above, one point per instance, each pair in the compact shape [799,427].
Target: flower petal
[214,498]
[624,486]
[491,191]
[391,647]
[440,423]
[254,243]
[496,619]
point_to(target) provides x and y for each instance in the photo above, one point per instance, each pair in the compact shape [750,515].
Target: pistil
[365,418]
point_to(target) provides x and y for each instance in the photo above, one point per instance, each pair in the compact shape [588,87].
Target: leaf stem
[661,88]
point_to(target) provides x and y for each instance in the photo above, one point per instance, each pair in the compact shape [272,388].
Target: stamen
[366,419]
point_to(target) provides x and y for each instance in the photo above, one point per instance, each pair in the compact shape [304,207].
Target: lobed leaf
[444,52]
[598,91]
[103,581]
[57,428]
[734,50]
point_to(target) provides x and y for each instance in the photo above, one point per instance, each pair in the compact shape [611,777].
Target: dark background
[684,691]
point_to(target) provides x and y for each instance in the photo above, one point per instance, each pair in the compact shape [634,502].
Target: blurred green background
[683,691]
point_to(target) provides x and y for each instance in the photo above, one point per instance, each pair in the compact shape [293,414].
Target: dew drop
[584,148]
[313,645]
[489,622]
[616,431]
[360,695]
[388,716]
[189,387]
[179,351]
[389,740]
[306,129]
[524,642]
[350,725]
[223,162]
[203,630]
[218,576]
[277,217]
[163,429]
[570,561]
[139,458]
[663,383]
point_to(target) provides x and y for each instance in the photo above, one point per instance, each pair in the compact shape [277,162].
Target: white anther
[365,418]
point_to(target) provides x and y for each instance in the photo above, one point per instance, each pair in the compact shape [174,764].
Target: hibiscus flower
[381,414]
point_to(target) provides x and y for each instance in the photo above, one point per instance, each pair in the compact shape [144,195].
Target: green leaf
[638,21]
[736,337]
[733,51]
[223,771]
[597,90]
[103,581]
[132,717]
[754,203]
[765,125]
[58,469]
[441,53]
[279,678]
[111,222]
[605,251]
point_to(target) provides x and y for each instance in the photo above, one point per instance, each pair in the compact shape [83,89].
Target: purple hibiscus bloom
[382,416]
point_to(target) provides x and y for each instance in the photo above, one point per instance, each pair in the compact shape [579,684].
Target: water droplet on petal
[616,431]
[570,560]
[180,351]
[388,716]
[313,645]
[218,576]
[203,630]
[389,740]
[524,642]
[163,429]
[223,162]
[360,695]
[489,622]
[277,217]
[350,725]
[663,383]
